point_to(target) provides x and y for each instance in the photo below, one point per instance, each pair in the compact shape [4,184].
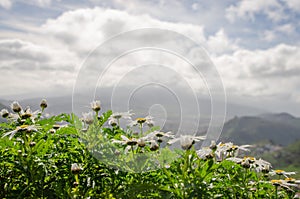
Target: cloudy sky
[253,44]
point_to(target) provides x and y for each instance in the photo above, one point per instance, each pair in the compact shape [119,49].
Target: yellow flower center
[290,179]
[141,120]
[23,126]
[279,172]
[276,182]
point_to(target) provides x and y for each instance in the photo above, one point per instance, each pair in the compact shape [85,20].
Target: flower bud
[88,118]
[32,144]
[141,143]
[43,104]
[117,152]
[113,122]
[27,113]
[56,126]
[16,107]
[4,113]
[75,168]
[154,146]
[75,184]
[96,105]
[52,131]
[213,145]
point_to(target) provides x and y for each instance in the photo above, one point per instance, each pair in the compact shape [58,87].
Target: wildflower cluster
[95,156]
[23,116]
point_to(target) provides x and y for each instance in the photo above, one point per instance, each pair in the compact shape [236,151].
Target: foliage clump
[64,156]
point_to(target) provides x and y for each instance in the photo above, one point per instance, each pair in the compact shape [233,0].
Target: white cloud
[286,29]
[39,3]
[66,42]
[269,35]
[6,4]
[27,67]
[195,6]
[82,30]
[248,9]
[293,4]
[278,31]
[42,3]
[270,72]
[220,43]
[67,39]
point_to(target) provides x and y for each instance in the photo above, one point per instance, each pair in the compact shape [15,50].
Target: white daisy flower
[114,119]
[281,172]
[22,128]
[126,141]
[205,153]
[143,120]
[187,141]
[229,149]
[159,136]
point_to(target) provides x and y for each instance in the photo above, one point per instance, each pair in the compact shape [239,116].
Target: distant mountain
[284,118]
[281,129]
[280,117]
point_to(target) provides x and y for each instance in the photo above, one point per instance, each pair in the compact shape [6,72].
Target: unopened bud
[43,104]
[16,107]
[4,113]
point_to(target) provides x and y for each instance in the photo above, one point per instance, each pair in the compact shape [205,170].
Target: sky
[253,44]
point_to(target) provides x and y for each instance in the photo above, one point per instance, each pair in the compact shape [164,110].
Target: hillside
[279,129]
[284,118]
[288,158]
[289,155]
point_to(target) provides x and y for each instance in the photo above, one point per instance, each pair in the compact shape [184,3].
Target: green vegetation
[67,157]
[287,158]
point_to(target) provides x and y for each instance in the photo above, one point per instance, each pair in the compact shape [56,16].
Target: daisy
[281,172]
[229,149]
[159,136]
[114,119]
[284,184]
[126,141]
[262,166]
[23,128]
[142,120]
[187,141]
[205,153]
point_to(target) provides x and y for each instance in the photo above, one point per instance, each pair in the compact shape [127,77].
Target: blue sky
[254,44]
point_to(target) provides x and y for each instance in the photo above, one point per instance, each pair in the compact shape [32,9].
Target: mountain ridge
[279,128]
